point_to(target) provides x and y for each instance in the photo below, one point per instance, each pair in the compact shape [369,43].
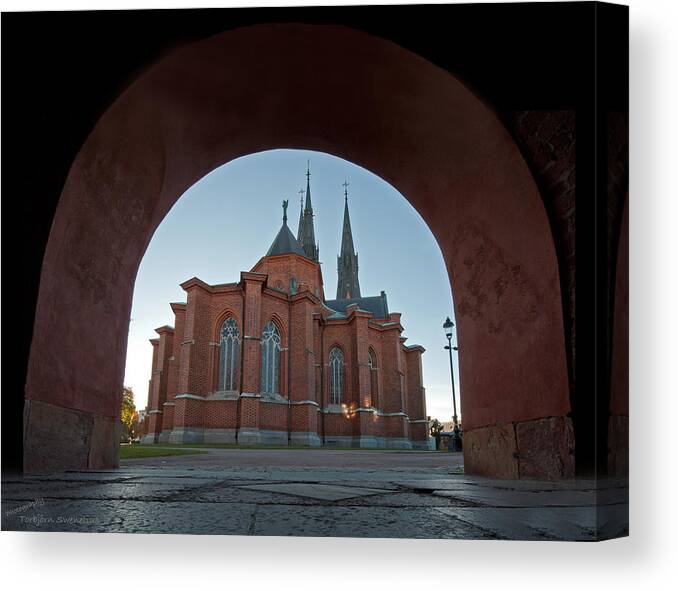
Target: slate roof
[285,243]
[378,305]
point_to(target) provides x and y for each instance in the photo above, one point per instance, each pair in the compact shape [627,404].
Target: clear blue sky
[226,221]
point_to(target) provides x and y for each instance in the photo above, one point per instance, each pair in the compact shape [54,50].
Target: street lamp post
[449,330]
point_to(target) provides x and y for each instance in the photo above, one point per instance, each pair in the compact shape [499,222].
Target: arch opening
[411,123]
[245,193]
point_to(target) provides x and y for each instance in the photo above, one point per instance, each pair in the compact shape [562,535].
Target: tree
[436,428]
[128,414]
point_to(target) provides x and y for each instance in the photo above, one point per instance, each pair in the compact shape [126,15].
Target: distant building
[269,360]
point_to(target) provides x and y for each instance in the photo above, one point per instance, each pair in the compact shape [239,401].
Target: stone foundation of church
[281,438]
[369,442]
[196,419]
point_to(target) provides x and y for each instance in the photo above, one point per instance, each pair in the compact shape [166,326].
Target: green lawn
[186,446]
[128,452]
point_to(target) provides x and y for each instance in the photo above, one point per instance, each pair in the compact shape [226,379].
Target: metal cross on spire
[345,185]
[308,170]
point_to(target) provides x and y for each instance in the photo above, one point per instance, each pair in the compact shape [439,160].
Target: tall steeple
[347,261]
[301,212]
[306,233]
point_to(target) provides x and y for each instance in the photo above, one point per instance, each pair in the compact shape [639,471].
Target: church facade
[269,360]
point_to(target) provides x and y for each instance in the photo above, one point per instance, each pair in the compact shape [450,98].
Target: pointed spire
[346,234]
[285,242]
[301,212]
[309,207]
[348,285]
[306,233]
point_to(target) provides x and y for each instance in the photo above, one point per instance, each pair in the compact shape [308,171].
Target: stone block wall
[537,449]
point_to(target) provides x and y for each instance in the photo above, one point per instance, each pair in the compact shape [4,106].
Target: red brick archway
[333,90]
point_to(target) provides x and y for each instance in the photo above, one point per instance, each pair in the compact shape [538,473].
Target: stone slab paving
[322,492]
[571,523]
[314,493]
[509,498]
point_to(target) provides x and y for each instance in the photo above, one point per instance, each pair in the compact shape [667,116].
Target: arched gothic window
[372,362]
[229,341]
[270,359]
[336,375]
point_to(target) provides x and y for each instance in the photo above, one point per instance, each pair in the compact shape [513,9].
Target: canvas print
[357,272]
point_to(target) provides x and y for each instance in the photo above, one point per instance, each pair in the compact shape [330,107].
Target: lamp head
[448,327]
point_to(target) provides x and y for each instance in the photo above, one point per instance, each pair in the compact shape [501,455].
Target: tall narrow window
[270,359]
[336,375]
[229,341]
[372,362]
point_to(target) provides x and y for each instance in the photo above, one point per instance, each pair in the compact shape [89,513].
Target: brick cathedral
[269,360]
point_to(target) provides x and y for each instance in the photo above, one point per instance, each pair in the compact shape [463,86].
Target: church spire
[347,262]
[308,207]
[306,233]
[301,212]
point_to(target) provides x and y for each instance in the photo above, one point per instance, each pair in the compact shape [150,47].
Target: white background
[645,560]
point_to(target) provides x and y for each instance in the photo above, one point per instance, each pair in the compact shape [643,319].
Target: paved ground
[312,493]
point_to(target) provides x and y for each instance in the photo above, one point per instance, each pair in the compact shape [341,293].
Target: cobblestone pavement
[381,494]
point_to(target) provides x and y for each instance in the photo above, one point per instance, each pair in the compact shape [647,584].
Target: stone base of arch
[540,449]
[618,446]
[57,438]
